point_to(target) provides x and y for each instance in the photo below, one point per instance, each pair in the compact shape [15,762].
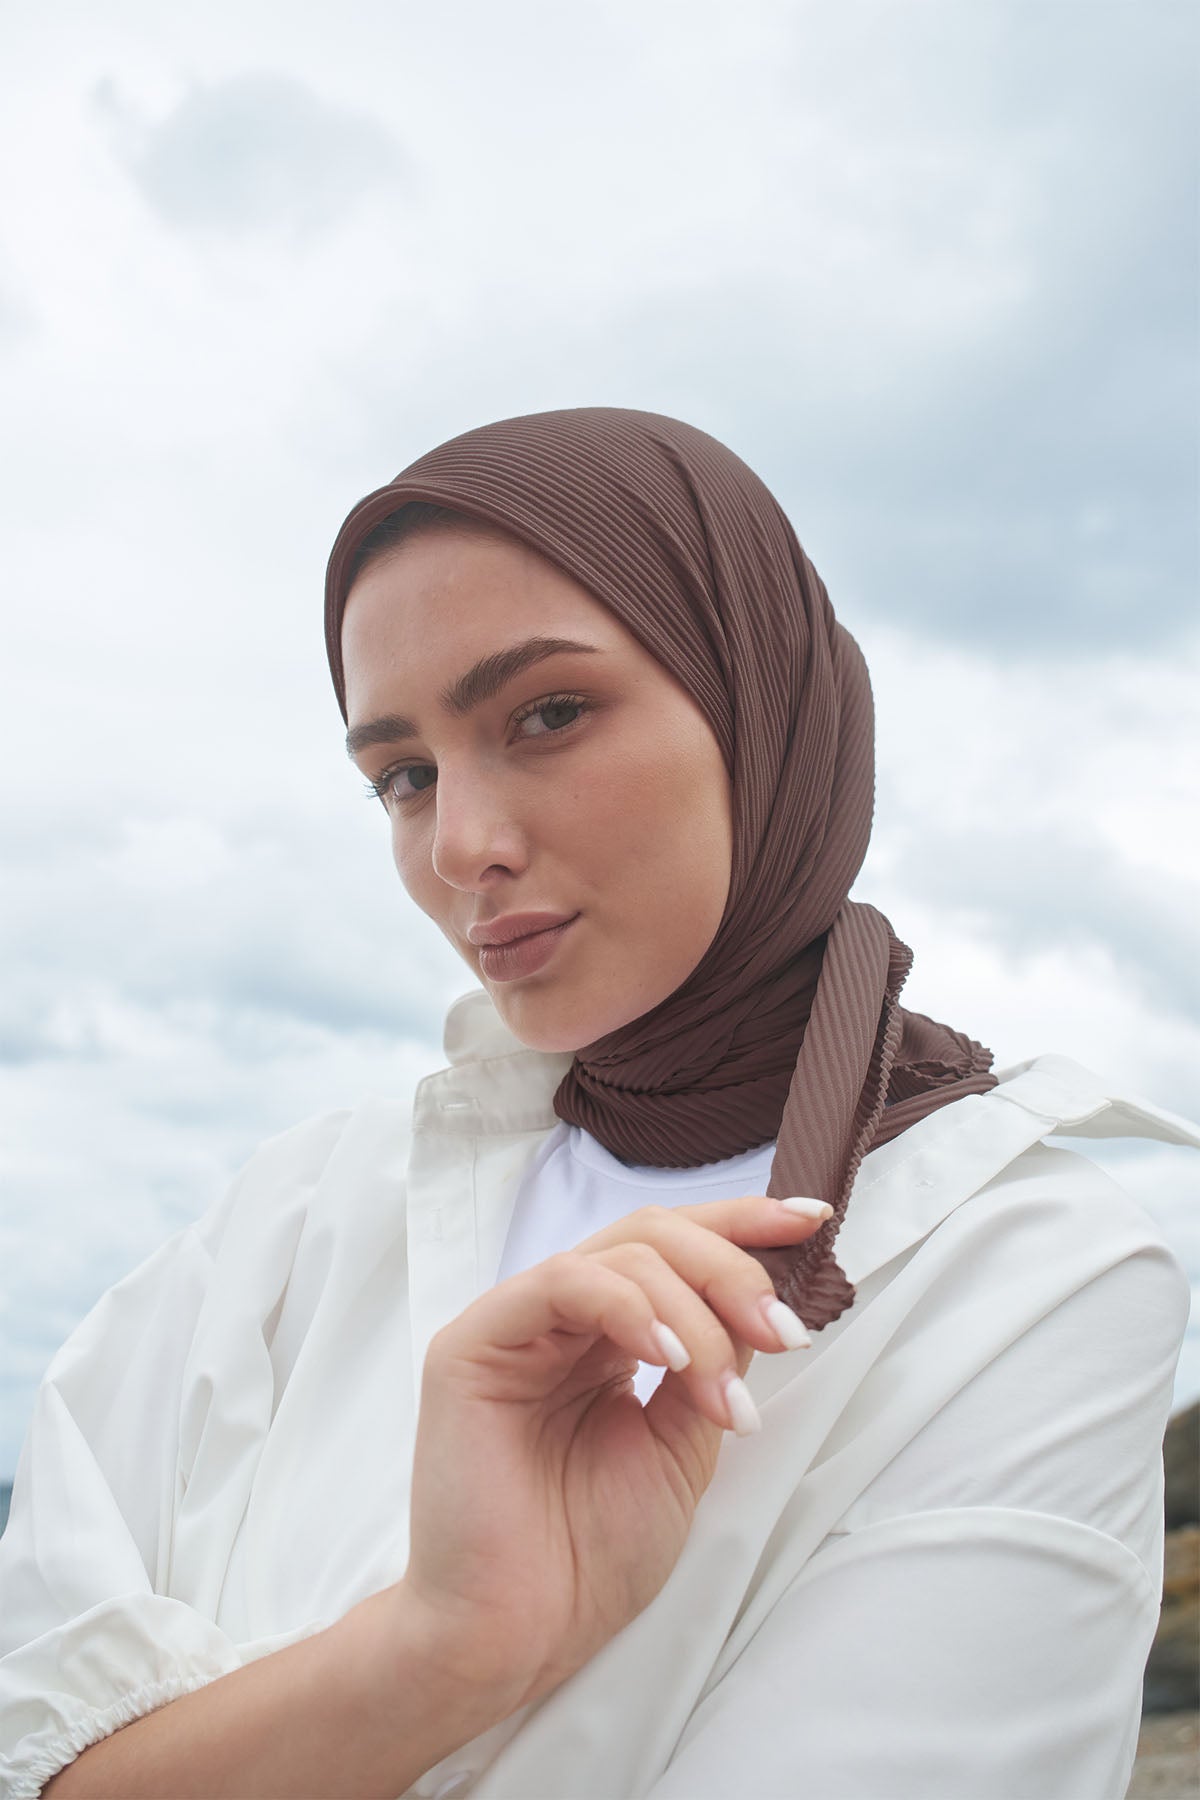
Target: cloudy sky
[929,268]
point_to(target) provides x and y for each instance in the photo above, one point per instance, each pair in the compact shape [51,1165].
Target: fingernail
[808,1209]
[788,1326]
[674,1351]
[743,1414]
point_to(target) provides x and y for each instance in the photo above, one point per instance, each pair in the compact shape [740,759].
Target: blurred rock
[1172,1679]
[1181,1466]
[1168,1759]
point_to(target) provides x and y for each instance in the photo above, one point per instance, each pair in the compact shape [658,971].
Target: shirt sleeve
[978,1625]
[90,1636]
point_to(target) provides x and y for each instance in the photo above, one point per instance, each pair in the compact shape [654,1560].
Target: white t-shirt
[574,1188]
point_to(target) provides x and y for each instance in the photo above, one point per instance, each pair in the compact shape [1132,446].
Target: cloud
[18,319]
[1041,889]
[252,151]
[947,309]
[216,932]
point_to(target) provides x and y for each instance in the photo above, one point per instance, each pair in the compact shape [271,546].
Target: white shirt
[934,1575]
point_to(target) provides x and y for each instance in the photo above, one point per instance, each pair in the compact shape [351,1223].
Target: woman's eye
[402,784]
[415,779]
[551,712]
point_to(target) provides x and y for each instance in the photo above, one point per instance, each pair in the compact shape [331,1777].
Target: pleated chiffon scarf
[790,1026]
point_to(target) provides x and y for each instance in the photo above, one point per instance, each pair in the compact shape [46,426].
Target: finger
[693,1340]
[688,1436]
[732,1283]
[516,1341]
[753,1220]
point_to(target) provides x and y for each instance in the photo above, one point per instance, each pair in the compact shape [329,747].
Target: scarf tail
[863,953]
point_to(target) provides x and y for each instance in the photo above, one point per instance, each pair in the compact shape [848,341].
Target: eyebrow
[480,683]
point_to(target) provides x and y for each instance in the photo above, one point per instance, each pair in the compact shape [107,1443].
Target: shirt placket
[475,1128]
[442,1242]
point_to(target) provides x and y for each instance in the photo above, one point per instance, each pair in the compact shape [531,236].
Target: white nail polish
[808,1209]
[743,1414]
[788,1327]
[674,1351]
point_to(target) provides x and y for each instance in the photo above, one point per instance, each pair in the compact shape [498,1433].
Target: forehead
[420,614]
[447,584]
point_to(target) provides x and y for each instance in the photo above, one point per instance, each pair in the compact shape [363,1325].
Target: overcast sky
[931,269]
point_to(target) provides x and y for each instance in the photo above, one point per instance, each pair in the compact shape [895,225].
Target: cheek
[680,792]
[668,813]
[413,864]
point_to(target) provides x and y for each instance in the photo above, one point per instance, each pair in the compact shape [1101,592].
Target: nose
[477,832]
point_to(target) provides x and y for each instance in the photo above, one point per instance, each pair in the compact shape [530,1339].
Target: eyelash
[380,787]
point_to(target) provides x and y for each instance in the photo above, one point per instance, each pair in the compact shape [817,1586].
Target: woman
[415,1477]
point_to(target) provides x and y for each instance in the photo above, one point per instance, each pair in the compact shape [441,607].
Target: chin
[541,1034]
[555,1027]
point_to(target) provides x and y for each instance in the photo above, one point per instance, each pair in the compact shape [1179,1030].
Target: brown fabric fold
[790,1026]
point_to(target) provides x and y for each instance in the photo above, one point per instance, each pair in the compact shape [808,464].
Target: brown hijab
[790,1026]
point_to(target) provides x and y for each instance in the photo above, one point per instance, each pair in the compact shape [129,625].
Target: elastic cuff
[25,1778]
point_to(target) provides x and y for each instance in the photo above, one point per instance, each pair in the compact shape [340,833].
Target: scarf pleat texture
[790,1027]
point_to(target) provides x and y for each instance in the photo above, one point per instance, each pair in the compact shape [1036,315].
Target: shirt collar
[475,1032]
[903,1189]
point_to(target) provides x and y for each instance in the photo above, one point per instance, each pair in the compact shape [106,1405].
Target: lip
[523,955]
[511,926]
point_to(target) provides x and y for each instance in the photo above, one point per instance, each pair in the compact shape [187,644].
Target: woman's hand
[548,1505]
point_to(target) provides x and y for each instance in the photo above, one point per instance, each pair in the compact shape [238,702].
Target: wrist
[405,1657]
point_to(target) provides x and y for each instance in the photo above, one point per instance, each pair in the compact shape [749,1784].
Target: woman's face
[525,777]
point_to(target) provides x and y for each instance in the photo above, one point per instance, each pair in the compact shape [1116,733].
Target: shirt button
[454,1785]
